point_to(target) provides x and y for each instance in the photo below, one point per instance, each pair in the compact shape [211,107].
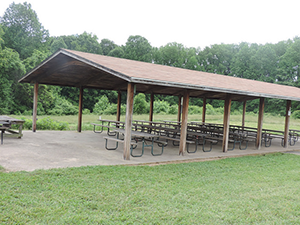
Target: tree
[138,48]
[172,54]
[57,44]
[23,31]
[117,52]
[107,46]
[289,64]
[11,69]
[263,64]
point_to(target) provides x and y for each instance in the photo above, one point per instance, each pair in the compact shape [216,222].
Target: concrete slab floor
[61,149]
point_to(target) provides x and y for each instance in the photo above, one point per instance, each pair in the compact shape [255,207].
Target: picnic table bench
[6,123]
[111,124]
[137,136]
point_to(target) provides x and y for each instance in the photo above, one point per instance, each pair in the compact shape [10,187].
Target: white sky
[190,22]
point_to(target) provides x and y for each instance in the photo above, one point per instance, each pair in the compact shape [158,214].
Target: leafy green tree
[1,36]
[23,31]
[241,62]
[263,64]
[140,106]
[289,65]
[11,69]
[107,46]
[172,54]
[117,52]
[84,42]
[57,44]
[138,48]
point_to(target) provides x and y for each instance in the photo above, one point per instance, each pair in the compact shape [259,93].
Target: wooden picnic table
[12,121]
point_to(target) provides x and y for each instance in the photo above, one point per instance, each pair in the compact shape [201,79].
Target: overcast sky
[192,23]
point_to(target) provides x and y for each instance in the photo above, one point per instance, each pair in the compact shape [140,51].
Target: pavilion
[86,70]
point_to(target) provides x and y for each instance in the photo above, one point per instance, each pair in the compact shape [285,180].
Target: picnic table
[146,138]
[5,127]
[109,124]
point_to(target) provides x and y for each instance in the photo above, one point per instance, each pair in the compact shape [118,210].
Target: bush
[101,105]
[49,124]
[86,111]
[140,105]
[296,114]
[63,107]
[161,107]
[173,109]
[193,109]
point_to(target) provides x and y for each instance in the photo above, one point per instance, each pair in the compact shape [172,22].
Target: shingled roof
[80,69]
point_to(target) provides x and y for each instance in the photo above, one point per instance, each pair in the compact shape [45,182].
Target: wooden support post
[183,132]
[119,106]
[287,123]
[260,122]
[179,109]
[80,109]
[128,120]
[226,121]
[35,101]
[244,114]
[151,107]
[203,110]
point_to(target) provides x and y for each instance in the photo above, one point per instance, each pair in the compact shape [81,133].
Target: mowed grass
[246,190]
[269,122]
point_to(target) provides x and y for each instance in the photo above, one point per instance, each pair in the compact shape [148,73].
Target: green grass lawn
[246,190]
[270,122]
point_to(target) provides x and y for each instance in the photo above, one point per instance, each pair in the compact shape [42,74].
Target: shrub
[193,109]
[173,109]
[63,107]
[161,107]
[86,111]
[101,105]
[49,124]
[140,105]
[296,114]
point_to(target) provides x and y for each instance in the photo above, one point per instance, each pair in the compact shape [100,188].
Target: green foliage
[63,107]
[107,46]
[193,109]
[140,106]
[34,60]
[138,48]
[296,114]
[101,105]
[57,44]
[45,123]
[161,107]
[11,69]
[23,31]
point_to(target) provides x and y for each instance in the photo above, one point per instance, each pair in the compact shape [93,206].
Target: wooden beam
[244,113]
[287,123]
[35,101]
[119,106]
[179,109]
[226,121]
[80,109]
[260,122]
[128,120]
[183,132]
[151,107]
[204,110]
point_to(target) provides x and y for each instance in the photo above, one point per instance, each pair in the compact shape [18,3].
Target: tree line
[25,43]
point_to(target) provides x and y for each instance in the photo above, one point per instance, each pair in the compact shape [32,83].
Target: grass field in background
[246,190]
[269,122]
